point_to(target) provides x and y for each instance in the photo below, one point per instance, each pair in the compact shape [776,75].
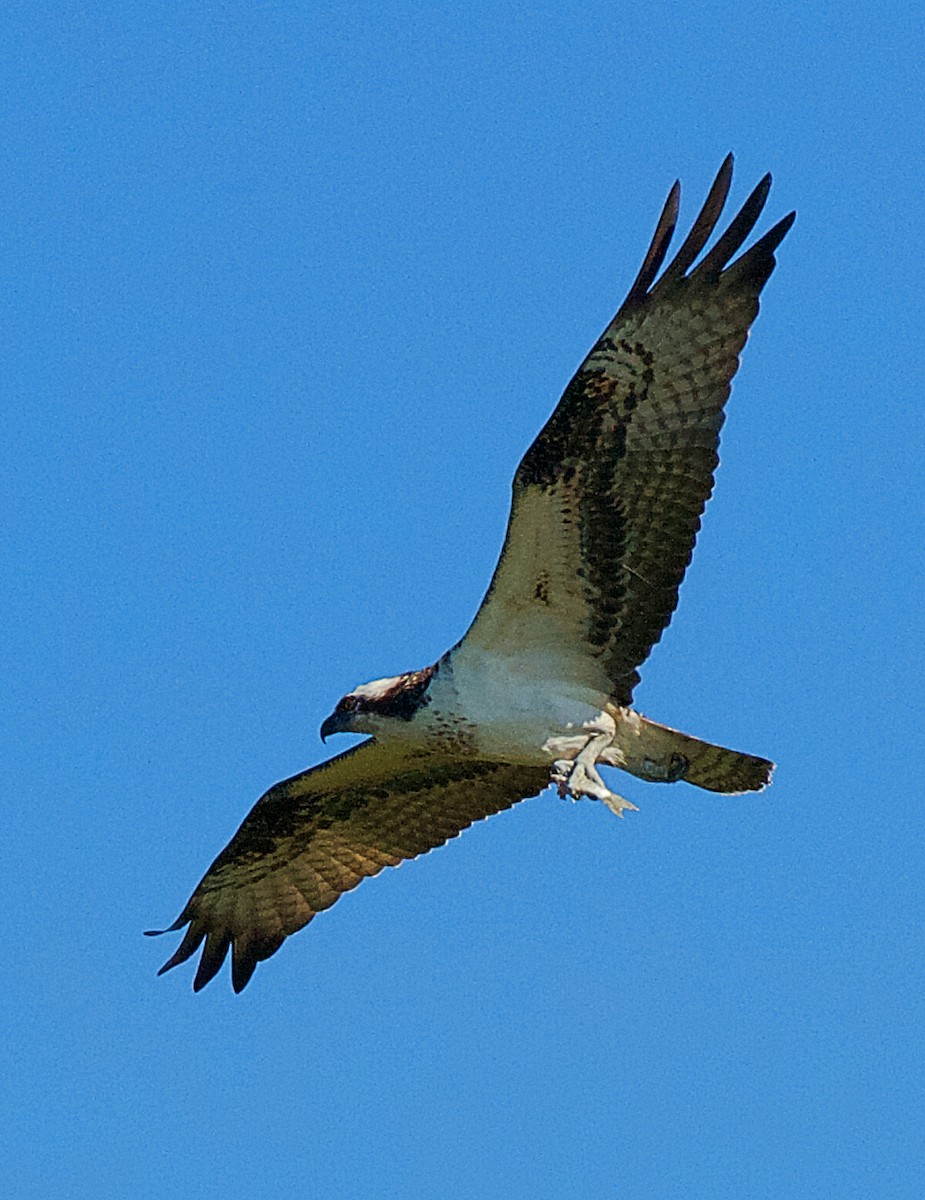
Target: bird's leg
[578,776]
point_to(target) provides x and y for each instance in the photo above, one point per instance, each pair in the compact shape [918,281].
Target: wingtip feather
[244,961]
[241,975]
[773,238]
[658,248]
[702,227]
[758,261]
[191,942]
[717,260]
[174,928]
[214,954]
[739,229]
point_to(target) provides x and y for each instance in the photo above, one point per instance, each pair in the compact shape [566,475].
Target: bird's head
[375,707]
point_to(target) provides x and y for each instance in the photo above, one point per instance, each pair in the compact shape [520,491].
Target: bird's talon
[559,775]
[575,780]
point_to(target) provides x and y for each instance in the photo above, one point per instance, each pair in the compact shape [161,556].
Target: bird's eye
[349,704]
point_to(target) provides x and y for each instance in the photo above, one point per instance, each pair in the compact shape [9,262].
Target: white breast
[511,705]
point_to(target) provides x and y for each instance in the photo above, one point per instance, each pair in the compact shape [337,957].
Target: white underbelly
[512,709]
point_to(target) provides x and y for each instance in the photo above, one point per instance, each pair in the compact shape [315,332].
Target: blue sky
[289,289]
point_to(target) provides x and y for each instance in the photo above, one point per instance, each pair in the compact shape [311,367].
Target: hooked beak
[331,725]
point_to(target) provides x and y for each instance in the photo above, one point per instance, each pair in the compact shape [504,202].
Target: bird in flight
[606,507]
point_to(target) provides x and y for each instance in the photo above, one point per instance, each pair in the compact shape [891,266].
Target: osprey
[606,507]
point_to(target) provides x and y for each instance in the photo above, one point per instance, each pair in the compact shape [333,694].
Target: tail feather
[658,753]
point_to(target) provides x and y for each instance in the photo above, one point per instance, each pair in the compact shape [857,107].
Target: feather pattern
[619,477]
[315,836]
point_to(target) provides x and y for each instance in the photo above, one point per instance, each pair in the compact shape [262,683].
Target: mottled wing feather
[608,499]
[315,836]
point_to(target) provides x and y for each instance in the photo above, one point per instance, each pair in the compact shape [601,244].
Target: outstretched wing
[608,499]
[317,835]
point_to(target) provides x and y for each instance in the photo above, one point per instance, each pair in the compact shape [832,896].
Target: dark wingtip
[178,924]
[658,248]
[773,238]
[724,174]
[241,972]
[245,953]
[246,956]
[701,229]
[758,261]
[191,942]
[174,961]
[214,953]
[739,229]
